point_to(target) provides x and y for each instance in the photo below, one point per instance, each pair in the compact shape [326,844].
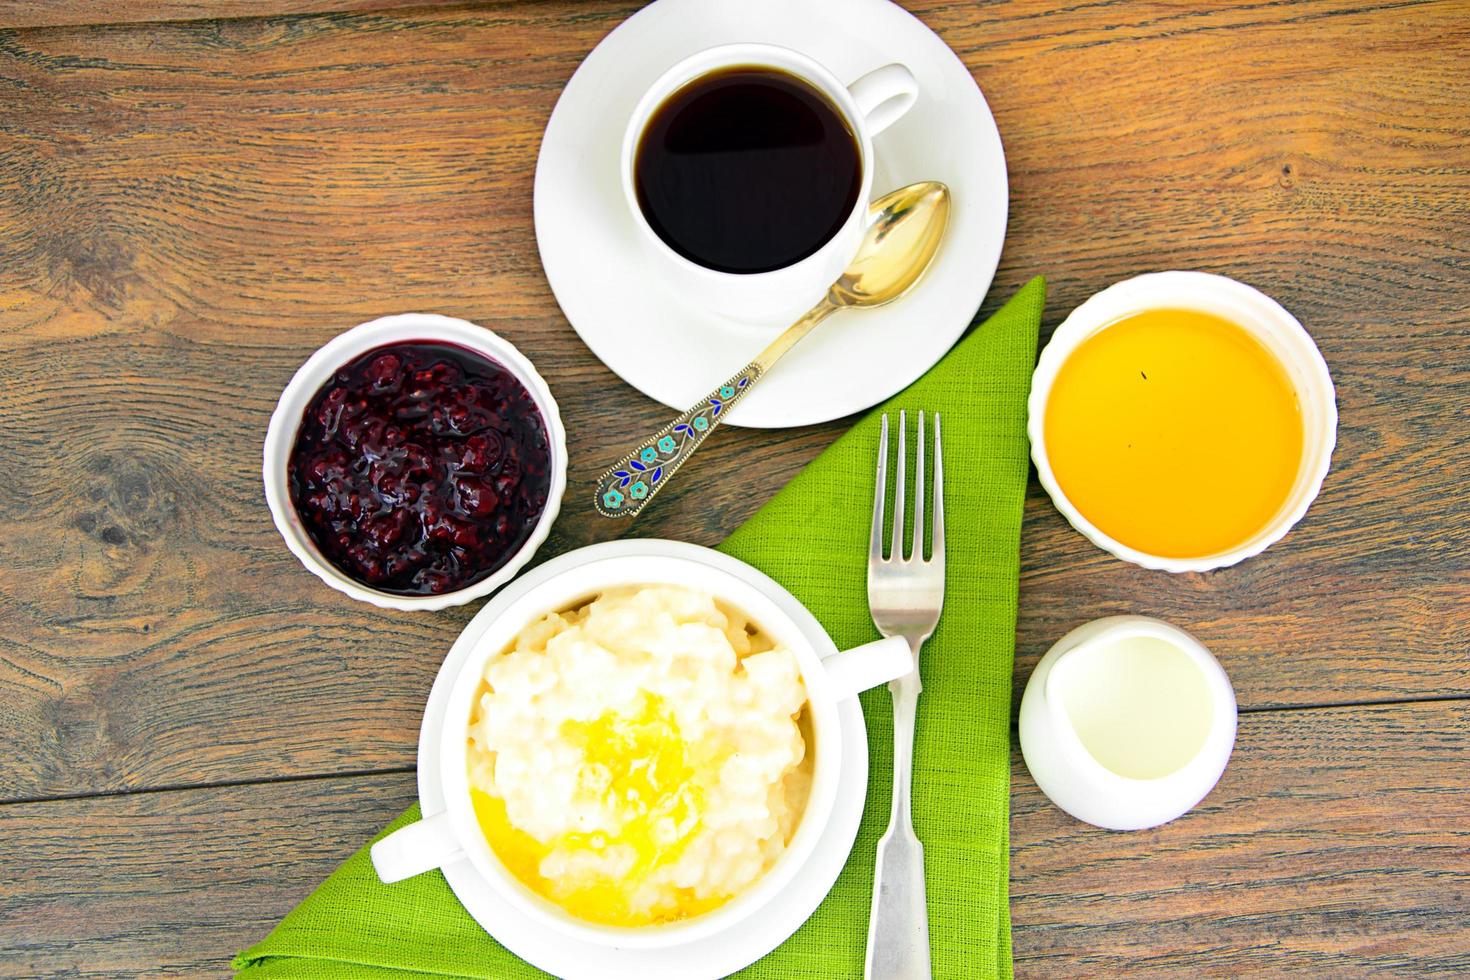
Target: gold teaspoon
[896,249]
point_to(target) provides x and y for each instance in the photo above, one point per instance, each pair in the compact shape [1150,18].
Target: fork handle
[898,932]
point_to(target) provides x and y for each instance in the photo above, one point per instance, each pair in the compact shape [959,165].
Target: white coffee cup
[453,835]
[869,105]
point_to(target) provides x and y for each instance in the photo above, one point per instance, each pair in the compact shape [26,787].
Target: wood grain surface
[59,13]
[189,208]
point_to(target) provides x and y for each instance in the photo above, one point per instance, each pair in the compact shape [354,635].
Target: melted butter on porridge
[639,758]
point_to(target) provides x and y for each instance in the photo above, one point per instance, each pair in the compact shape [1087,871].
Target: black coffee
[747,169]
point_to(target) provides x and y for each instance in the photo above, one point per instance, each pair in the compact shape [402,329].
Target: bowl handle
[415,848]
[853,671]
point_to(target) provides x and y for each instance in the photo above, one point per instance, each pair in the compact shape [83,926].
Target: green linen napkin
[812,537]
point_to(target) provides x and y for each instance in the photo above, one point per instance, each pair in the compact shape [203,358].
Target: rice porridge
[640,758]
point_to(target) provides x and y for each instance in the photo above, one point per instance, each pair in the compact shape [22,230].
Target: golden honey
[647,776]
[1175,432]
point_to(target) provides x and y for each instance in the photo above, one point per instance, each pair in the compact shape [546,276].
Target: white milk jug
[1127,722]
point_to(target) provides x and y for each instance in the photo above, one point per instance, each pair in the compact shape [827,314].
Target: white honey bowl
[1268,322]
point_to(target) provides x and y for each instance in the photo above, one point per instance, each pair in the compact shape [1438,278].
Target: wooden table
[195,731]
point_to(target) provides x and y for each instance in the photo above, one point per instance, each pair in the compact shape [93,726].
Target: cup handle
[883,95]
[415,848]
[853,671]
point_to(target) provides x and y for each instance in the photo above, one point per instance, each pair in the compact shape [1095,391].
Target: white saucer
[675,353]
[722,954]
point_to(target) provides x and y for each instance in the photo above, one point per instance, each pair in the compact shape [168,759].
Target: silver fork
[905,597]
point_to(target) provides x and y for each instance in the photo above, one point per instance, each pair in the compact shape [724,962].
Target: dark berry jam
[420,468]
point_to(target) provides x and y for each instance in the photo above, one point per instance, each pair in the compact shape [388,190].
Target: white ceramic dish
[721,954]
[869,105]
[1244,305]
[675,351]
[1076,781]
[453,834]
[309,378]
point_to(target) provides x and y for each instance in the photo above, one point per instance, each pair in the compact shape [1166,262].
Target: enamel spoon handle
[626,488]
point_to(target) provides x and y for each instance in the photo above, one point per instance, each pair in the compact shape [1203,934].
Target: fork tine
[936,551]
[918,550]
[901,477]
[880,491]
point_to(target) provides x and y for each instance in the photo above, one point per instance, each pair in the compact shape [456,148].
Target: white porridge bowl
[403,328]
[452,834]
